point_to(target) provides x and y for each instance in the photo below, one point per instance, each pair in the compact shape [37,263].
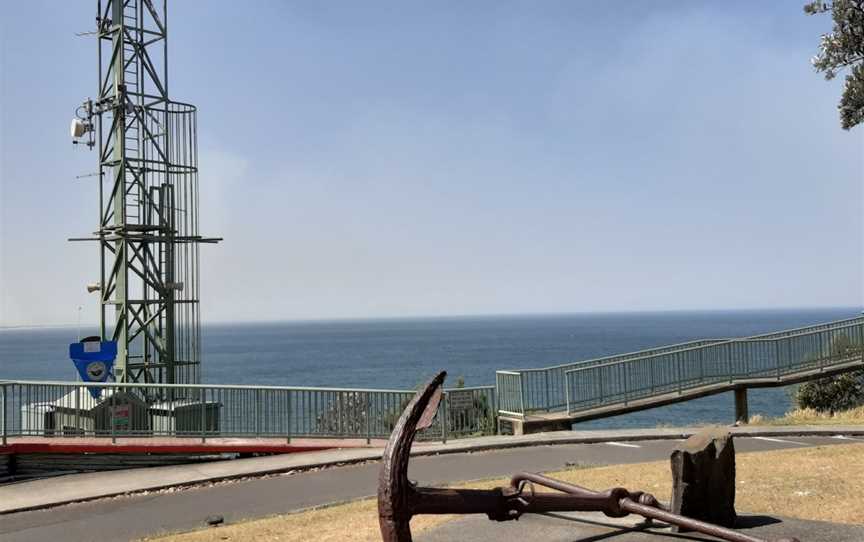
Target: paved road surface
[132,517]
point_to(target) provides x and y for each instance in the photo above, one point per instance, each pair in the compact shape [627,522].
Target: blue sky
[407,158]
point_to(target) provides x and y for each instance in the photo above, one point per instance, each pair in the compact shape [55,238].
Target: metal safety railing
[30,408]
[616,379]
[732,362]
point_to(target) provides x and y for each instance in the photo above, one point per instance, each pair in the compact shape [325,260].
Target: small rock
[214,520]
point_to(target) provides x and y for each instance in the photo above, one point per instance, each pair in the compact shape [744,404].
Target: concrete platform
[595,527]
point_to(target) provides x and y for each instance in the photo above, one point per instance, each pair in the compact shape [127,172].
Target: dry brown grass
[819,483]
[809,416]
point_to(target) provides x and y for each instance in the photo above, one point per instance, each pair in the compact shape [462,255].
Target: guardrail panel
[627,378]
[29,408]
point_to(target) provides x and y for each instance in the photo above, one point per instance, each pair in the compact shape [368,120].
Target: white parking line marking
[846,437]
[769,439]
[623,444]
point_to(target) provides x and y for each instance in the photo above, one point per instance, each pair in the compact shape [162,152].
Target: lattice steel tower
[148,198]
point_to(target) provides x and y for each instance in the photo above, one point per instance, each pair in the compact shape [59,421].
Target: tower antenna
[148,199]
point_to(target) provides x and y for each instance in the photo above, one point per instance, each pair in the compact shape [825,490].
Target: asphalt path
[136,516]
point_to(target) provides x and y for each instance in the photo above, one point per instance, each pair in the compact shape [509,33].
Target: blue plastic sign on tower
[94,360]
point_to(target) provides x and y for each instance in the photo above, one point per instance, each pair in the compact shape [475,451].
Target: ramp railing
[732,362]
[621,378]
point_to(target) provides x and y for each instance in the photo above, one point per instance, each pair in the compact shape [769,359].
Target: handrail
[548,388]
[735,362]
[755,339]
[50,408]
[203,386]
[702,342]
[707,342]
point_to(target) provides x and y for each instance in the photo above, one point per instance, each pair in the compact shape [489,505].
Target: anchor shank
[502,503]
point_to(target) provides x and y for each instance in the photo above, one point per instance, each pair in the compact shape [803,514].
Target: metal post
[567,391]
[600,383]
[340,414]
[203,398]
[729,360]
[626,367]
[493,411]
[548,391]
[777,358]
[443,412]
[288,418]
[257,407]
[821,354]
[701,354]
[368,420]
[3,412]
[111,418]
[521,394]
[78,409]
[741,412]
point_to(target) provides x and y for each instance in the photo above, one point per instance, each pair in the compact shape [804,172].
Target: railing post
[288,417]
[521,394]
[701,354]
[368,419]
[729,360]
[742,413]
[567,390]
[493,411]
[111,408]
[78,409]
[777,358]
[3,413]
[548,404]
[256,411]
[626,382]
[600,383]
[203,398]
[821,354]
[340,413]
[444,414]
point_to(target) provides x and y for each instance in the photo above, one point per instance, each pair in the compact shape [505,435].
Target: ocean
[402,353]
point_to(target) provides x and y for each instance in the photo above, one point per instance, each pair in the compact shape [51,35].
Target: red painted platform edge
[203,448]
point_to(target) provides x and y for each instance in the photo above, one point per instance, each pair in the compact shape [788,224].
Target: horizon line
[455,316]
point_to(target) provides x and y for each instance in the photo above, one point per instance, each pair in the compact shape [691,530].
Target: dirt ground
[820,483]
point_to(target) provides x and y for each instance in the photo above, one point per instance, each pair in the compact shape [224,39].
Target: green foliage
[843,49]
[834,393]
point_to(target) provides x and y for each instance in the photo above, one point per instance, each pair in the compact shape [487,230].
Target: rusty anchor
[399,499]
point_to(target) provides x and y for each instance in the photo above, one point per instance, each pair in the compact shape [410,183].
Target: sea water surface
[402,353]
